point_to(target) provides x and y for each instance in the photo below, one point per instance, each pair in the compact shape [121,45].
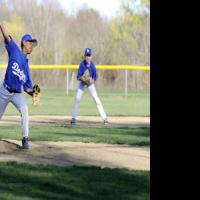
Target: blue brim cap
[29,38]
[88,52]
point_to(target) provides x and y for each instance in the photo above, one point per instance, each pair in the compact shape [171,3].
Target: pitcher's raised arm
[6,37]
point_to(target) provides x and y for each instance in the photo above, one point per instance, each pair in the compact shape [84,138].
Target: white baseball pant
[95,97]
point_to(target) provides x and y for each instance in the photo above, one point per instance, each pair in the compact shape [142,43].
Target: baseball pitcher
[87,76]
[18,75]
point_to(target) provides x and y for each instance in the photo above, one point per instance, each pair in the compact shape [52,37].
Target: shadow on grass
[24,181]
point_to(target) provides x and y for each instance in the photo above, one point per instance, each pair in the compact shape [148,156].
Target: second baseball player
[87,64]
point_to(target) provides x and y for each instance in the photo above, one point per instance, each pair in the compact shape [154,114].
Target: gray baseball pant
[18,100]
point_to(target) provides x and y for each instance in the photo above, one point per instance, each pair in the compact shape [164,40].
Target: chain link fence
[123,80]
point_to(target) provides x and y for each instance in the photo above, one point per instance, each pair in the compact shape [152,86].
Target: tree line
[62,38]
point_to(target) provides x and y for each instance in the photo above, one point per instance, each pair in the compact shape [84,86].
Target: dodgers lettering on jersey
[92,70]
[17,72]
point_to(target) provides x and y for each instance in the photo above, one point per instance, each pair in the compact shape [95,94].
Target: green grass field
[123,135]
[44,182]
[56,102]
[28,182]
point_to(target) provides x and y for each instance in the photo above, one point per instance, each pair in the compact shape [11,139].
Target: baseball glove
[36,95]
[85,78]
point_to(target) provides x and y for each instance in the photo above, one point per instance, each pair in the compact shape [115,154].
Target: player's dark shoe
[25,144]
[73,121]
[105,121]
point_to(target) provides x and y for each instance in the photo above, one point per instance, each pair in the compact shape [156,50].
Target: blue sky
[107,8]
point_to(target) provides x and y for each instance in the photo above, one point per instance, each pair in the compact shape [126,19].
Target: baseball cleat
[105,121]
[25,144]
[73,121]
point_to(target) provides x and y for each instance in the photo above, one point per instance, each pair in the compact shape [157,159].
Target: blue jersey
[17,72]
[92,70]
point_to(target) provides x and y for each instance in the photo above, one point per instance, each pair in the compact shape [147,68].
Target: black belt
[9,89]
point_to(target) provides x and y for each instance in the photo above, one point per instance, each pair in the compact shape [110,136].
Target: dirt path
[77,153]
[89,121]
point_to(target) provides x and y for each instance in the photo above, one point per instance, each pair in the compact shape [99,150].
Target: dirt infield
[77,153]
[89,121]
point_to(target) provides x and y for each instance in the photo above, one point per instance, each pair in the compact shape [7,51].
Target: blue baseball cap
[29,38]
[88,52]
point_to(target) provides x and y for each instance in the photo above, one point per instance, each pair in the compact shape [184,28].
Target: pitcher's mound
[6,146]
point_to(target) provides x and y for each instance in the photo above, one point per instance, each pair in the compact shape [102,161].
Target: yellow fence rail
[108,67]
[101,67]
